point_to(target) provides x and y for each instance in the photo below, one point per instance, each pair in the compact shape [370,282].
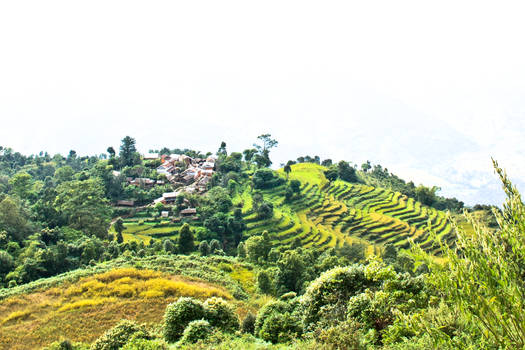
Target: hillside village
[184,173]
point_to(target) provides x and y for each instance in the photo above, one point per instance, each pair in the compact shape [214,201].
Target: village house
[151,156]
[125,203]
[170,197]
[208,166]
[142,181]
[188,212]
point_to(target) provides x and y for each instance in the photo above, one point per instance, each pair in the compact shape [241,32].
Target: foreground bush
[278,322]
[221,315]
[145,344]
[178,315]
[342,335]
[248,324]
[66,345]
[326,297]
[484,275]
[119,335]
[195,331]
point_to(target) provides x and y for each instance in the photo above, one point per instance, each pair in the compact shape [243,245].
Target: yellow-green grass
[307,173]
[146,232]
[136,237]
[83,310]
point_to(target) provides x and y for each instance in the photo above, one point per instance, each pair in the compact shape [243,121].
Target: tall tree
[84,205]
[266,143]
[346,172]
[13,220]
[222,150]
[292,269]
[21,184]
[186,241]
[366,166]
[326,162]
[127,151]
[111,152]
[287,169]
[248,154]
[119,225]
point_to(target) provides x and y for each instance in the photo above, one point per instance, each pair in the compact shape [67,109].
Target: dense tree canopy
[84,206]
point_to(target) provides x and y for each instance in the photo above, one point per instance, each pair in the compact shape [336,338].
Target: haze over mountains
[407,85]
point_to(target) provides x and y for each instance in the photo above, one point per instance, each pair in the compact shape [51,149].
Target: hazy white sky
[430,90]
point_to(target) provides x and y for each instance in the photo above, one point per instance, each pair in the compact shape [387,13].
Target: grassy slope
[82,304]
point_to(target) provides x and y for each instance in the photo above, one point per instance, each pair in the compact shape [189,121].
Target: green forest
[184,249]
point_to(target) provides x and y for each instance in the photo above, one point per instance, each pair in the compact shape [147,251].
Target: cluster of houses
[185,213]
[193,173]
[144,182]
[186,174]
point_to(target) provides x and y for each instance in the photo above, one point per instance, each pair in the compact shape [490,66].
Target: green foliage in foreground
[178,315]
[193,320]
[221,314]
[483,278]
[195,331]
[119,335]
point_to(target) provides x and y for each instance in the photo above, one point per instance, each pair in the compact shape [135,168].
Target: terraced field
[134,230]
[327,214]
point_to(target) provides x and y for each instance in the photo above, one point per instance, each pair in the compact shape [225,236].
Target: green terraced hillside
[328,214]
[324,214]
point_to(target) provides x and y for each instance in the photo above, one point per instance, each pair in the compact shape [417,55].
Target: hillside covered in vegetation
[184,249]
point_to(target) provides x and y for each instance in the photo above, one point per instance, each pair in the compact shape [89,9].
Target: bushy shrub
[204,248]
[225,267]
[119,335]
[264,283]
[6,262]
[195,331]
[288,296]
[248,324]
[374,311]
[186,241]
[280,328]
[241,250]
[274,306]
[145,344]
[178,315]
[266,178]
[220,314]
[442,326]
[278,322]
[326,297]
[341,335]
[66,345]
[215,246]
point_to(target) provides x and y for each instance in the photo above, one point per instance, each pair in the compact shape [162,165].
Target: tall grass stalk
[484,273]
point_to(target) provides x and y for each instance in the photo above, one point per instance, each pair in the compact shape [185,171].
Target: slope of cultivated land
[324,214]
[328,214]
[144,230]
[95,299]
